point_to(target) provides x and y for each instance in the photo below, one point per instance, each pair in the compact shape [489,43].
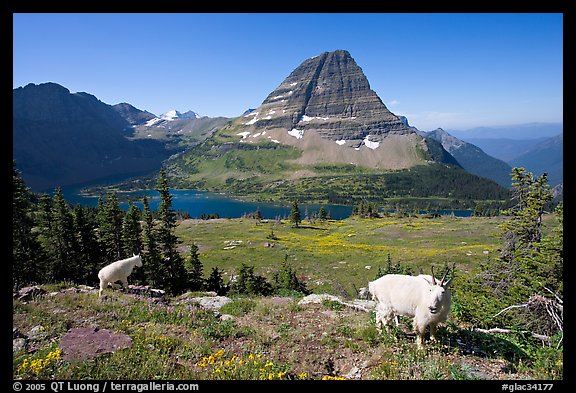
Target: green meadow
[346,254]
[276,337]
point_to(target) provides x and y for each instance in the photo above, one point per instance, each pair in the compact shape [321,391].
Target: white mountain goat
[421,297]
[118,271]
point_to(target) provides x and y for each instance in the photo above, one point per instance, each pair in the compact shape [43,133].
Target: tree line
[55,242]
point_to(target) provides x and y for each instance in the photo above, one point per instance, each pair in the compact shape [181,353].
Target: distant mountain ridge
[472,158]
[514,131]
[62,138]
[547,156]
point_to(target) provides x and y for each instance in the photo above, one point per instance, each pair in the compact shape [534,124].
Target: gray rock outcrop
[330,94]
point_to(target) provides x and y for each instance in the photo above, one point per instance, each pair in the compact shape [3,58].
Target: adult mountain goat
[421,297]
[118,271]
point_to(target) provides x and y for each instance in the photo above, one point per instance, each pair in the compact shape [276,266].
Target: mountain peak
[330,94]
[175,115]
[327,110]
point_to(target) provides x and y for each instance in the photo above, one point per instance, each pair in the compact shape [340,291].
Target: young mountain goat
[118,271]
[421,297]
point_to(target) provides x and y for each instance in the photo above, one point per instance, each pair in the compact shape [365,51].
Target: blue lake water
[198,203]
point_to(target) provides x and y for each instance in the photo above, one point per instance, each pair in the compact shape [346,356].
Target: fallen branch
[500,330]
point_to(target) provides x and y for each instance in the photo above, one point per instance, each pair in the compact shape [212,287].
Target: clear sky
[453,70]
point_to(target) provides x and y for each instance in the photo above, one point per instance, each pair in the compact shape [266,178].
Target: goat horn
[443,277]
[433,278]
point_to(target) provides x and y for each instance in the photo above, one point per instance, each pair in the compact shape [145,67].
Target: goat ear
[445,285]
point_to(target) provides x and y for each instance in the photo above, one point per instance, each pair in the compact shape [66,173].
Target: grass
[276,338]
[345,253]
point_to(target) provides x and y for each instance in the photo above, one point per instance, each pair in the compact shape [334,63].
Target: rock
[16,333]
[227,317]
[208,302]
[354,373]
[364,293]
[87,343]
[37,333]
[360,305]
[314,298]
[18,345]
[28,293]
[146,290]
[212,302]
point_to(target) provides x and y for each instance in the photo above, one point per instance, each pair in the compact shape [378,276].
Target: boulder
[87,343]
[28,293]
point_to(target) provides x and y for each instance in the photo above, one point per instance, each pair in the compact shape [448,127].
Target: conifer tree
[167,240]
[63,240]
[28,259]
[194,268]
[90,257]
[110,218]
[295,216]
[132,231]
[322,214]
[215,282]
[154,269]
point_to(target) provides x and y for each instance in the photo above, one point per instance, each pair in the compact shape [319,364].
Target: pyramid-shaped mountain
[330,94]
[326,108]
[324,135]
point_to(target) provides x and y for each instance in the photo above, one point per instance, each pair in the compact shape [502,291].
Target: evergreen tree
[322,214]
[153,266]
[295,217]
[167,240]
[132,231]
[523,232]
[90,256]
[110,218]
[286,280]
[529,262]
[215,282]
[44,221]
[250,283]
[63,241]
[194,268]
[28,259]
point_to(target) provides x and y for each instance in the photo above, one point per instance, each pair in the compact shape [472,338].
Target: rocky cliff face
[133,115]
[330,94]
[62,138]
[472,158]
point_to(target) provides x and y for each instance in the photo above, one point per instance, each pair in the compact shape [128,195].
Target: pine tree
[90,256]
[194,268]
[215,282]
[322,214]
[153,266]
[64,242]
[295,217]
[28,259]
[132,231]
[110,218]
[168,241]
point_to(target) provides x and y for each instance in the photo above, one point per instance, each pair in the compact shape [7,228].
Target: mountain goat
[118,271]
[421,297]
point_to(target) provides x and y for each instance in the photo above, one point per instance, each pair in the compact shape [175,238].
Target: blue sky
[454,71]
